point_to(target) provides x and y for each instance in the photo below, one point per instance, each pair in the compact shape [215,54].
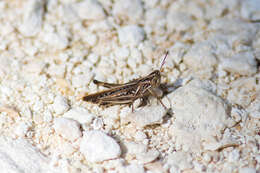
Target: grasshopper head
[156,78]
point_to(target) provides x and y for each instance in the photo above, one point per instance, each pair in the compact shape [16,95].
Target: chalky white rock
[67,128]
[60,105]
[131,35]
[96,146]
[80,114]
[200,116]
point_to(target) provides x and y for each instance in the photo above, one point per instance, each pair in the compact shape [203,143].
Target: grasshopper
[127,93]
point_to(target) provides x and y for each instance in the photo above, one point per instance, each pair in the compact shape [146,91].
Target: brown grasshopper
[127,93]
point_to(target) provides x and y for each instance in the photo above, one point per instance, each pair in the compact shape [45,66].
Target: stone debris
[200,56]
[199,116]
[247,170]
[131,35]
[131,10]
[145,116]
[80,114]
[243,91]
[90,10]
[241,63]
[254,108]
[32,18]
[52,50]
[140,152]
[250,10]
[67,128]
[20,156]
[60,105]
[134,168]
[98,147]
[148,156]
[22,129]
[179,161]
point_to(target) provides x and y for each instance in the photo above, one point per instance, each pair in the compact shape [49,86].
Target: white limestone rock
[141,152]
[81,115]
[18,156]
[90,10]
[60,105]
[250,9]
[136,168]
[22,128]
[55,40]
[128,10]
[67,128]
[155,16]
[131,35]
[81,80]
[134,148]
[147,157]
[200,116]
[148,115]
[239,33]
[98,147]
[254,107]
[32,18]
[35,67]
[243,90]
[247,170]
[179,161]
[242,63]
[178,19]
[200,56]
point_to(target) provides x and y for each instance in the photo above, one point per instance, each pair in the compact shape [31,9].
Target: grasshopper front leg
[157,97]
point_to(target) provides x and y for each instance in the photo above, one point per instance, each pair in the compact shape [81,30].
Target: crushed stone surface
[50,52]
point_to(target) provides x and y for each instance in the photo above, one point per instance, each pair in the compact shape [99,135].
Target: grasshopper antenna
[163,62]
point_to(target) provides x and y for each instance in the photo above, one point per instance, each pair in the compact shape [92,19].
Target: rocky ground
[51,50]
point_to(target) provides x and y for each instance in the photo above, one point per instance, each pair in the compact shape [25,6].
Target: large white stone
[200,116]
[97,146]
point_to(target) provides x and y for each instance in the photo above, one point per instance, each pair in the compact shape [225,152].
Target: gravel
[50,52]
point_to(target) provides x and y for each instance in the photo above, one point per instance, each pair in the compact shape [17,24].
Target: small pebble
[134,168]
[131,35]
[148,156]
[90,10]
[128,10]
[67,128]
[147,116]
[247,170]
[241,63]
[60,105]
[81,115]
